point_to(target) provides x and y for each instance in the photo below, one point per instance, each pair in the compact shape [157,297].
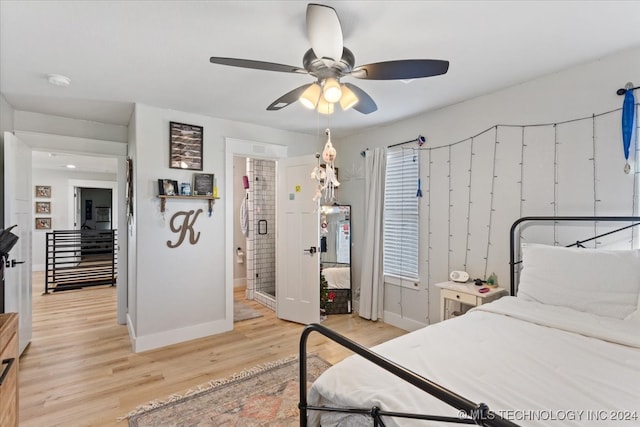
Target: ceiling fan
[328,61]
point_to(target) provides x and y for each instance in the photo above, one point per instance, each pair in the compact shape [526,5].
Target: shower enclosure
[261,242]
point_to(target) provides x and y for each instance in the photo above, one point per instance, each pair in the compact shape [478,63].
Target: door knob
[13,263]
[312,250]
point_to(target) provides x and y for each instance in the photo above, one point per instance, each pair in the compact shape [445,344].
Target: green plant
[324,292]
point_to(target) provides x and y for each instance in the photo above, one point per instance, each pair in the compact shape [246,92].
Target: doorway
[93,208]
[298,289]
[90,207]
[52,210]
[238,153]
[101,167]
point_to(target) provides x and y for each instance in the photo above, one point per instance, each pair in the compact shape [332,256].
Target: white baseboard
[402,322]
[132,332]
[174,336]
[240,282]
[38,267]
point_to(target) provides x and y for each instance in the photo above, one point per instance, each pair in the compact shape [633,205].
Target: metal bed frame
[479,414]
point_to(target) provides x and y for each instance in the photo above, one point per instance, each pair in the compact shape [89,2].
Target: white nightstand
[466,294]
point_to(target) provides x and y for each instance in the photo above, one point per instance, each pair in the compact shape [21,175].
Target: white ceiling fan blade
[325,32]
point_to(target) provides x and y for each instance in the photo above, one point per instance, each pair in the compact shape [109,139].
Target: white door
[298,234]
[17,211]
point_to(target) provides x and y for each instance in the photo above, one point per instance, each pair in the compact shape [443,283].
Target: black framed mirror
[335,259]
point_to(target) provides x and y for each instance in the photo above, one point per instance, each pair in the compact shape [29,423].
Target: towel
[244,217]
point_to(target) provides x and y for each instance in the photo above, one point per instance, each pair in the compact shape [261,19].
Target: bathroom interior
[255,239]
[255,231]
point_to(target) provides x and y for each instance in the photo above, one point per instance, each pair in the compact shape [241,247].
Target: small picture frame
[103,214]
[43,223]
[43,191]
[43,207]
[203,184]
[185,146]
[168,187]
[185,189]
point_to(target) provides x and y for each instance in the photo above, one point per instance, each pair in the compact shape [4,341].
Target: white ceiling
[157,53]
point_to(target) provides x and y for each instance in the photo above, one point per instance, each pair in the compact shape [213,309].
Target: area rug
[266,395]
[242,312]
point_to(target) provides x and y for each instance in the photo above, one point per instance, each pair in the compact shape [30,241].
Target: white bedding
[337,277]
[533,364]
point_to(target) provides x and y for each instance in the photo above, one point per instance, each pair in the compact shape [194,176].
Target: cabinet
[466,295]
[9,370]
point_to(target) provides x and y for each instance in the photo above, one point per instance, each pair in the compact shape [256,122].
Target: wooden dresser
[9,370]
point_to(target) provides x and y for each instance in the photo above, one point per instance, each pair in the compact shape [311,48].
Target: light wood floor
[79,369]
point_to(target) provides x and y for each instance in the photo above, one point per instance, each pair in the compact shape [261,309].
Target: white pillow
[337,277]
[599,281]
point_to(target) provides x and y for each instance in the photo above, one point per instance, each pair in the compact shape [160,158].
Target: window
[401,239]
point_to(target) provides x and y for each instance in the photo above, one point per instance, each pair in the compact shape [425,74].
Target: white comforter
[533,364]
[338,277]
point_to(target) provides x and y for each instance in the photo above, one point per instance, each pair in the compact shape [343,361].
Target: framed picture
[103,214]
[43,223]
[185,189]
[202,184]
[43,207]
[88,210]
[43,191]
[168,187]
[185,146]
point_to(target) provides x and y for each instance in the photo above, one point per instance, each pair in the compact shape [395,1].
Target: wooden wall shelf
[163,200]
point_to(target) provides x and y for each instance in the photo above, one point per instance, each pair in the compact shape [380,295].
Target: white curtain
[372,279]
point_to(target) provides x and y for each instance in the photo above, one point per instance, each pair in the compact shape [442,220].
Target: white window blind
[400,249]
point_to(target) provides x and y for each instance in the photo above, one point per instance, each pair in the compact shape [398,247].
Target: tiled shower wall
[261,243]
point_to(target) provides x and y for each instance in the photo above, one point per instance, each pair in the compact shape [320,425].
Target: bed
[337,277]
[564,351]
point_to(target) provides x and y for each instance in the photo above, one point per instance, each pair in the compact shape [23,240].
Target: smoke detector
[59,80]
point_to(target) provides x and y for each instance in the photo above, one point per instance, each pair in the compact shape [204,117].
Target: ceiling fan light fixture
[325,107]
[348,98]
[311,96]
[332,91]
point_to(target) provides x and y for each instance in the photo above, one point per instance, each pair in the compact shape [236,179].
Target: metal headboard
[635,220]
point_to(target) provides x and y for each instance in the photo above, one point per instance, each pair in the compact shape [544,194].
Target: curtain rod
[420,140]
[628,87]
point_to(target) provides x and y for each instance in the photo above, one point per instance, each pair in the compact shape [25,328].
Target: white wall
[180,292]
[6,125]
[61,216]
[578,92]
[132,241]
[45,123]
[6,116]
